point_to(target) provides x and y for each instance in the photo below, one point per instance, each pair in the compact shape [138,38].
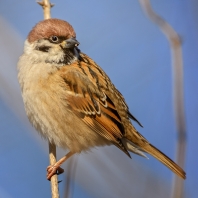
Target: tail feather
[143,145]
[165,160]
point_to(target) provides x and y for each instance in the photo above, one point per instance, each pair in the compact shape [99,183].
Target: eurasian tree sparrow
[71,101]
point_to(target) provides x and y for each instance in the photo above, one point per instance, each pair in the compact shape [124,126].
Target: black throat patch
[70,55]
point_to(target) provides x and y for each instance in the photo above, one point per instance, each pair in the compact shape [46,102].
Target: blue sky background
[136,56]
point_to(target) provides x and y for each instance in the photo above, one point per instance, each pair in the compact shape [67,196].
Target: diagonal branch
[177,67]
[71,172]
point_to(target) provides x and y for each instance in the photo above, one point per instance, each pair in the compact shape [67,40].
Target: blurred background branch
[70,177]
[177,71]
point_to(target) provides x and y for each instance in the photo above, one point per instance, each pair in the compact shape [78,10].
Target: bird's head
[52,41]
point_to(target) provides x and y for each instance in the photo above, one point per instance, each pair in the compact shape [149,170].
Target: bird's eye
[54,39]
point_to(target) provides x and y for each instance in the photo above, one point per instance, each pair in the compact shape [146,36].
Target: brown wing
[102,80]
[88,101]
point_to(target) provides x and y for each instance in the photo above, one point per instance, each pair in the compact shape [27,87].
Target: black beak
[71,43]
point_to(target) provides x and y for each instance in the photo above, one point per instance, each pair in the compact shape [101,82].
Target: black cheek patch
[43,48]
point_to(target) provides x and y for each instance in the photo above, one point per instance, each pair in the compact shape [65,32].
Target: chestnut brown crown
[51,27]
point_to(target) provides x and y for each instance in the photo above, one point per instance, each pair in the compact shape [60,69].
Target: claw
[56,169]
[52,170]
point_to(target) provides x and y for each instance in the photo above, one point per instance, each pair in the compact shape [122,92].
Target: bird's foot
[52,170]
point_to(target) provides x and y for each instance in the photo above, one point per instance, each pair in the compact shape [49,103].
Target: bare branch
[54,178]
[177,68]
[46,8]
[46,5]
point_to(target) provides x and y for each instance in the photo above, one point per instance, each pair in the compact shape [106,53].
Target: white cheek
[28,47]
[55,54]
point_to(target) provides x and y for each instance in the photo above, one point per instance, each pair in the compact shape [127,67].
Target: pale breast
[45,101]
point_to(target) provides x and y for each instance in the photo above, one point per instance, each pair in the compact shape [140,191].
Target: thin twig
[54,178]
[177,68]
[52,148]
[46,8]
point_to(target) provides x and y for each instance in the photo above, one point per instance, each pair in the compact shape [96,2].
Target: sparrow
[72,102]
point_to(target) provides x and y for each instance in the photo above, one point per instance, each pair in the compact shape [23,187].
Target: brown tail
[143,144]
[165,160]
